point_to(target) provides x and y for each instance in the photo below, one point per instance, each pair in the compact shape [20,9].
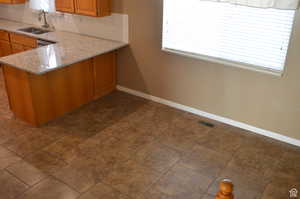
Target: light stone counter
[69,48]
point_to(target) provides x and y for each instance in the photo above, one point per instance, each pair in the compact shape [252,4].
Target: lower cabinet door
[104,74]
[5,48]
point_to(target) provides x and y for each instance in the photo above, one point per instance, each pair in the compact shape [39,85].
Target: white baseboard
[231,122]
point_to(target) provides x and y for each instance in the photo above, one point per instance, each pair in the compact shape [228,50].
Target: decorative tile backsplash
[114,27]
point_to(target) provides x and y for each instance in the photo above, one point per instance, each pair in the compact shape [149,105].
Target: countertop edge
[64,65]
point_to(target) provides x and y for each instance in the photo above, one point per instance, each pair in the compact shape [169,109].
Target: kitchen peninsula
[47,82]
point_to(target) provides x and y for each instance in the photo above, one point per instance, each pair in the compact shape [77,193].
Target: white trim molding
[195,111]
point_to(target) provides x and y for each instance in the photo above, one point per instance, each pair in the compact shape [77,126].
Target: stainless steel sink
[34,30]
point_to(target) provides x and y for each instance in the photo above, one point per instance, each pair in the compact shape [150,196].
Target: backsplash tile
[114,27]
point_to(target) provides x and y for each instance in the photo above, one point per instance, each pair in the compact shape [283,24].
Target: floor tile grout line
[11,151]
[81,193]
[64,183]
[160,176]
[51,174]
[47,176]
[30,188]
[167,171]
[23,157]
[175,163]
[17,177]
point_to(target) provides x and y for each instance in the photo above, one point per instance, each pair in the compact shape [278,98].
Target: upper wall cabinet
[95,8]
[65,5]
[12,1]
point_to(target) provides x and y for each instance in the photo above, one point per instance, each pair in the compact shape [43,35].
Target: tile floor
[124,147]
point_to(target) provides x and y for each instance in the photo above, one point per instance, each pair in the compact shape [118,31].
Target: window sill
[226,63]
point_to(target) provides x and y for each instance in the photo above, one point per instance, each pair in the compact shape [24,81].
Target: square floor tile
[83,173]
[178,183]
[157,156]
[179,139]
[65,148]
[45,162]
[28,143]
[131,179]
[248,159]
[102,191]
[7,158]
[11,187]
[50,189]
[289,163]
[26,172]
[222,141]
[263,146]
[205,160]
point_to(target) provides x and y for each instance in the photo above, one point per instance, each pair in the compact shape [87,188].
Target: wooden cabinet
[23,40]
[38,99]
[104,74]
[5,48]
[11,43]
[20,43]
[4,35]
[96,8]
[65,5]
[86,7]
[13,1]
[17,48]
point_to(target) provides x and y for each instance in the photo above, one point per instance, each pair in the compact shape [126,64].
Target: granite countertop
[69,48]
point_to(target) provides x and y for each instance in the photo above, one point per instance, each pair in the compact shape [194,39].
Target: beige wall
[264,101]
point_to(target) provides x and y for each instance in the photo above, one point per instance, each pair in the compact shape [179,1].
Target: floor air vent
[207,124]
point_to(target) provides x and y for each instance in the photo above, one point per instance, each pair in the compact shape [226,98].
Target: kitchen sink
[34,30]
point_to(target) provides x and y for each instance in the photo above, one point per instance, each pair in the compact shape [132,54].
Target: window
[244,36]
[46,5]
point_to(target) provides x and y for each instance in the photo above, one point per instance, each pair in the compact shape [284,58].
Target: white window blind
[254,37]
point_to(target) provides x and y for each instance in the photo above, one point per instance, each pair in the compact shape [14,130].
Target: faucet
[43,14]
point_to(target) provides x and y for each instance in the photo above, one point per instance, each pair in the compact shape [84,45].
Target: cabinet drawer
[23,40]
[4,35]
